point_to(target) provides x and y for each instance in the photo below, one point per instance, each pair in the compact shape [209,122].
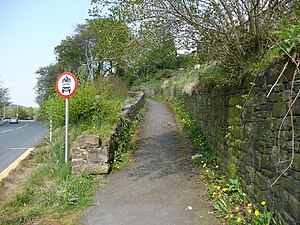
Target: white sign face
[66,84]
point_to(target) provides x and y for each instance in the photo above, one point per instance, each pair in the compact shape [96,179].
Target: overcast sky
[29,32]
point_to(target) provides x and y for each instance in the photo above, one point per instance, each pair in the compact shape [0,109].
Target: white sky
[29,32]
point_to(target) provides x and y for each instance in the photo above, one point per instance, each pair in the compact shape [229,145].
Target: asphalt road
[15,139]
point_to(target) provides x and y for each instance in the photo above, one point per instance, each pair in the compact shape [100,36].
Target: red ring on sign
[59,91]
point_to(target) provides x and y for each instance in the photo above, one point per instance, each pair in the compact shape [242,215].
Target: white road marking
[17,128]
[4,131]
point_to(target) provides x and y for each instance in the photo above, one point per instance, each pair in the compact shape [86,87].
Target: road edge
[2,122]
[14,165]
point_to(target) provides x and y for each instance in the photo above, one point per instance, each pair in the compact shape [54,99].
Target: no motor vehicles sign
[66,84]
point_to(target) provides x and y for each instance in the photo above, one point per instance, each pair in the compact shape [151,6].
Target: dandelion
[256,213]
[195,156]
[249,211]
[224,189]
[237,208]
[227,216]
[214,194]
[249,204]
[231,216]
[238,220]
[263,203]
[218,188]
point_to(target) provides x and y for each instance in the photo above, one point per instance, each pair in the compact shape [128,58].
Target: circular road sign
[66,84]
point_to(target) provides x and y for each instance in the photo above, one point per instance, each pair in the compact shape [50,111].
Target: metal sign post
[50,129]
[67,130]
[66,85]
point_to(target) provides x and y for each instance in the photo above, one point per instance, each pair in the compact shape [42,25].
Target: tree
[155,50]
[75,53]
[114,42]
[4,97]
[229,31]
[45,85]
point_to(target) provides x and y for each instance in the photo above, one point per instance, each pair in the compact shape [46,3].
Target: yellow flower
[249,204]
[263,203]
[231,216]
[237,208]
[225,189]
[256,213]
[249,211]
[227,216]
[238,220]
[218,188]
[213,194]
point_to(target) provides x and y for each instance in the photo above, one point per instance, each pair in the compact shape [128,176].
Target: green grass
[50,194]
[50,191]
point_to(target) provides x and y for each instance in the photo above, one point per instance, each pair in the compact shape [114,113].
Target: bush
[97,102]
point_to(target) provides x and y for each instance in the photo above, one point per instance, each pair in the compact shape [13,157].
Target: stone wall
[243,128]
[90,155]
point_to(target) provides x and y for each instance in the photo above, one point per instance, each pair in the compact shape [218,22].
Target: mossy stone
[296,163]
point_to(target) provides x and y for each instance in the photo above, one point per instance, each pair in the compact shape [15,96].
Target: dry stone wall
[242,127]
[90,155]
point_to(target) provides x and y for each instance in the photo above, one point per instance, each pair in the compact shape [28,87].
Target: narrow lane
[158,186]
[15,139]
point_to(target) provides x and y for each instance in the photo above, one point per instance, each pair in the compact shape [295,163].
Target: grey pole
[67,130]
[51,129]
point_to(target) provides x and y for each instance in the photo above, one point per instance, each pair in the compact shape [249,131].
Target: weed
[227,195]
[125,140]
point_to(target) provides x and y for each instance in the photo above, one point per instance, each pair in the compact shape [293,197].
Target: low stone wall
[242,127]
[90,155]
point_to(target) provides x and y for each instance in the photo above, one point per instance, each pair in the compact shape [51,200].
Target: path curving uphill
[158,187]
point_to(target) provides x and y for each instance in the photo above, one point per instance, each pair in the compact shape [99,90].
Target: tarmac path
[158,187]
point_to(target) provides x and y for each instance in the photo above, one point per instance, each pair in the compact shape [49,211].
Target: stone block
[97,155]
[97,169]
[260,79]
[279,109]
[89,141]
[296,108]
[295,175]
[296,163]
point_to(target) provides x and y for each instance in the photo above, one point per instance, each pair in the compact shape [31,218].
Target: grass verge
[43,190]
